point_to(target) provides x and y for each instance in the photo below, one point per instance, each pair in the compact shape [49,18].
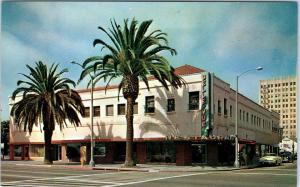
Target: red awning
[244,141]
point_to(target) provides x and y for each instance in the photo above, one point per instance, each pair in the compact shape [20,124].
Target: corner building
[193,124]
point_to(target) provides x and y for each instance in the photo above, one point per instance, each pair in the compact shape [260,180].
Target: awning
[243,141]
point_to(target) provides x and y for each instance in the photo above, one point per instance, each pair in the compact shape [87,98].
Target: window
[214,109]
[230,111]
[225,107]
[86,112]
[240,114]
[96,111]
[109,110]
[135,108]
[247,117]
[171,105]
[149,104]
[243,115]
[193,100]
[99,149]
[219,107]
[121,109]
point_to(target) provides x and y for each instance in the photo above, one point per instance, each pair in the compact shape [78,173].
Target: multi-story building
[280,96]
[194,123]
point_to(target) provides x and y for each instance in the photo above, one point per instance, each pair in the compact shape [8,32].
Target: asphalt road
[22,175]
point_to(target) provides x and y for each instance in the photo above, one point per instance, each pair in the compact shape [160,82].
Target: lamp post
[236,161]
[92,163]
[293,147]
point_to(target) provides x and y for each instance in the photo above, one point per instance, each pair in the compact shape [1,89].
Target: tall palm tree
[47,99]
[133,55]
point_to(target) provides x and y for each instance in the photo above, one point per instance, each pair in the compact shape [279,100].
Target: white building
[279,95]
[194,123]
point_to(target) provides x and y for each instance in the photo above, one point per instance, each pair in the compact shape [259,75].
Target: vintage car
[286,156]
[270,159]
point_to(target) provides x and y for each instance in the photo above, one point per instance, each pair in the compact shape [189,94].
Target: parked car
[270,159]
[286,156]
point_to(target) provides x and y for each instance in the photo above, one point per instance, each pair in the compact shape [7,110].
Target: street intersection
[13,174]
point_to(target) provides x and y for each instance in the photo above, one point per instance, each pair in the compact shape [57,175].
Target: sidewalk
[139,167]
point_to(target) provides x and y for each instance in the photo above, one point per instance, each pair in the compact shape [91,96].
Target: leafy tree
[133,55]
[47,100]
[5,134]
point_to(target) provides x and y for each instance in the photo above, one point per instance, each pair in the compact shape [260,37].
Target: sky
[226,38]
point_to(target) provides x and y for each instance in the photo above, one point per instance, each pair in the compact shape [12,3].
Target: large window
[161,152]
[171,105]
[230,112]
[121,109]
[86,112]
[193,100]
[96,111]
[109,110]
[99,149]
[149,108]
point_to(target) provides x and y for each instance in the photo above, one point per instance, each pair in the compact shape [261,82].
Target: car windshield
[270,154]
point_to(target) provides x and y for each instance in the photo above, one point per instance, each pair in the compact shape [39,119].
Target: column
[64,152]
[141,152]
[23,152]
[109,152]
[11,151]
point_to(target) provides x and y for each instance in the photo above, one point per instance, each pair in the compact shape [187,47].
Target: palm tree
[47,99]
[133,55]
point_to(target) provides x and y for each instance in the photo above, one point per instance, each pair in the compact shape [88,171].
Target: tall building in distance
[279,95]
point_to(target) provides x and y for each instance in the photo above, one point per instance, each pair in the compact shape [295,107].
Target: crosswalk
[45,182]
[56,178]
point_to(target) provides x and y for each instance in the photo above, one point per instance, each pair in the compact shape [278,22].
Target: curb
[120,169]
[162,170]
[124,169]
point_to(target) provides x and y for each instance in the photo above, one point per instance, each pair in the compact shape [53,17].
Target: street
[24,175]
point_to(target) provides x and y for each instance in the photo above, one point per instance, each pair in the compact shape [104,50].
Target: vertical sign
[205,104]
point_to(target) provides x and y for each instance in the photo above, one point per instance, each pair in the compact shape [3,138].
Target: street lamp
[236,161]
[92,163]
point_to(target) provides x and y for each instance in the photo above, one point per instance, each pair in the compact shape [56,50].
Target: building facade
[280,96]
[193,124]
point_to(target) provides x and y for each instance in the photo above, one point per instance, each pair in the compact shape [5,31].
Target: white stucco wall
[161,124]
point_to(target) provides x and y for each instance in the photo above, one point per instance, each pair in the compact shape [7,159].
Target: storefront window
[99,149]
[199,153]
[36,150]
[161,152]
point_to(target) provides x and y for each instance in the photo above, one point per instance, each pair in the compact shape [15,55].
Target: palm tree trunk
[48,146]
[129,136]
